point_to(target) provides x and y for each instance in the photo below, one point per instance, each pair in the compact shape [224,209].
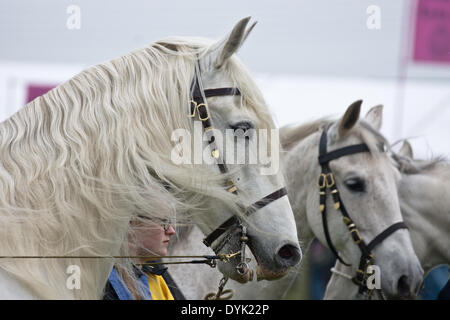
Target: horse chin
[241,278]
[263,274]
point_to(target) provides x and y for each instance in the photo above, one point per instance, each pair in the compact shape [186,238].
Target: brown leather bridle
[327,182]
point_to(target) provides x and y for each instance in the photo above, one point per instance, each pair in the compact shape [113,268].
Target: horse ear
[406,150]
[248,31]
[375,117]
[224,49]
[347,122]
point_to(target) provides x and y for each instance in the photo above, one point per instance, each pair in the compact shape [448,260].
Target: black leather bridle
[327,182]
[199,108]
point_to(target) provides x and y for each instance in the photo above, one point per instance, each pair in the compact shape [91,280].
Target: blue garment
[434,282]
[122,290]
[445,292]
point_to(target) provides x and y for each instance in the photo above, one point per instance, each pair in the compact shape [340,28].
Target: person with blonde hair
[151,280]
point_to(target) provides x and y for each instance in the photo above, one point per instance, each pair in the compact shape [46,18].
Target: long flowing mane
[291,135]
[79,162]
[418,166]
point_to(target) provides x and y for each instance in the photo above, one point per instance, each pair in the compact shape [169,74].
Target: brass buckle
[195,108]
[330,183]
[207,112]
[322,181]
[358,236]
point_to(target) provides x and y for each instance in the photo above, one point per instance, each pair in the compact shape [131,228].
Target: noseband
[327,182]
[199,108]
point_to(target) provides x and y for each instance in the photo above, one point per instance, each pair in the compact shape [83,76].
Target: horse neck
[298,178]
[425,206]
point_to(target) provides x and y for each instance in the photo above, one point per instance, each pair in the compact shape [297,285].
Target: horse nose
[403,287]
[408,286]
[289,255]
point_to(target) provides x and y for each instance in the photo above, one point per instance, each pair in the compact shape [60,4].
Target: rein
[208,259]
[327,183]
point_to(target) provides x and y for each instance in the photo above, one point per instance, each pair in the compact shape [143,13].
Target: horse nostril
[403,288]
[285,252]
[290,255]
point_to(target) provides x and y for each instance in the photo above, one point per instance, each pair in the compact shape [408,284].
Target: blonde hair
[79,162]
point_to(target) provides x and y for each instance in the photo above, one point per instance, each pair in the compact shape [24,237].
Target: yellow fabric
[158,288]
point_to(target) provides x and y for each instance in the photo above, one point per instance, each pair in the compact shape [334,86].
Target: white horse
[79,162]
[424,200]
[368,186]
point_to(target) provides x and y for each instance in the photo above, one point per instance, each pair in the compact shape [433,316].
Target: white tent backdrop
[311,58]
[424,116]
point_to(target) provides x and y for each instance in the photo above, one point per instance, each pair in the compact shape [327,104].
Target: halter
[199,108]
[327,182]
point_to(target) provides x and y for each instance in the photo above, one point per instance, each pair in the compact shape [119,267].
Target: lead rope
[221,294]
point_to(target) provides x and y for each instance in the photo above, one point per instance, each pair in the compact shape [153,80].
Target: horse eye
[242,125]
[355,184]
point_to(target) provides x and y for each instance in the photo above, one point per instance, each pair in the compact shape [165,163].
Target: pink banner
[34,91]
[432,33]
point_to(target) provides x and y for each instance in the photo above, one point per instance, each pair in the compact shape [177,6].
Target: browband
[219,92]
[332,155]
